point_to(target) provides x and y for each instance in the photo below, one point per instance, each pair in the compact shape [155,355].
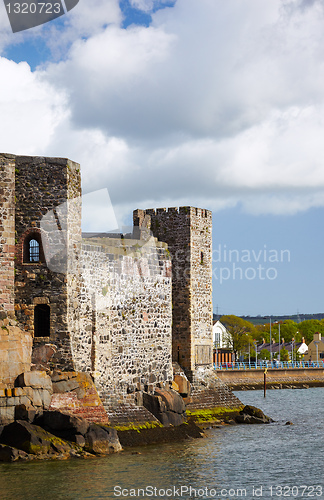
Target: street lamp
[316,342]
[256,353]
[292,349]
[270,342]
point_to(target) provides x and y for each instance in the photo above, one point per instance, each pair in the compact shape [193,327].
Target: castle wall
[7,233]
[45,188]
[201,285]
[187,231]
[125,333]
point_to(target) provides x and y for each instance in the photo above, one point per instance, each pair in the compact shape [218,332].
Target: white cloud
[148,5]
[215,104]
[30,110]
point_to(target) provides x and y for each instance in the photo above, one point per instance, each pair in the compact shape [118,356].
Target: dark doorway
[42,320]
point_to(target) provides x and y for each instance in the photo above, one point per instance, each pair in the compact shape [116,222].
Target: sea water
[232,462]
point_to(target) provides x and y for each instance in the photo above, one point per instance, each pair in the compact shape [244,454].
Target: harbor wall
[277,378]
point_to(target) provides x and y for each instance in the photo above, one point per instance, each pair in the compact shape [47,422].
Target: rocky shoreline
[60,435]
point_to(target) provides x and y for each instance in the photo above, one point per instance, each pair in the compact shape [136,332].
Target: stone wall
[7,233]
[124,339]
[188,233]
[48,210]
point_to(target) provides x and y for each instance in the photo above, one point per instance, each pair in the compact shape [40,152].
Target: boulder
[252,415]
[183,385]
[42,355]
[10,454]
[33,439]
[166,405]
[63,421]
[101,440]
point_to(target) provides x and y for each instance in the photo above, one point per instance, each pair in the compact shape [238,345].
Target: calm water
[233,462]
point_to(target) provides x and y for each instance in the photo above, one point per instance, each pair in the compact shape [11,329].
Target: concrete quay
[277,378]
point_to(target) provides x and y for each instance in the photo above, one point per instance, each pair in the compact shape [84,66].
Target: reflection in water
[230,458]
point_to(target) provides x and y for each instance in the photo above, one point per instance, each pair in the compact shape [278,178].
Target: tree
[264,354]
[308,327]
[284,354]
[240,333]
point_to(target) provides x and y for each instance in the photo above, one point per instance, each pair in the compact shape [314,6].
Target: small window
[42,320]
[201,257]
[33,251]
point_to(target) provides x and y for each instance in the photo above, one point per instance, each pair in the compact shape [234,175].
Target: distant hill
[261,320]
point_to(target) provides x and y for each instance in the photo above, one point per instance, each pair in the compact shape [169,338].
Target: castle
[126,309]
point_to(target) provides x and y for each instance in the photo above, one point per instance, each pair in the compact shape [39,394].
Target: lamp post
[316,342]
[279,341]
[256,353]
[292,350]
[270,342]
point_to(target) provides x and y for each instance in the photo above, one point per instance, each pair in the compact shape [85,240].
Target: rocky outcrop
[252,415]
[56,435]
[34,440]
[166,405]
[32,392]
[11,454]
[95,439]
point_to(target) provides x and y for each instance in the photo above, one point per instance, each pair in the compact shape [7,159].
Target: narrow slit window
[33,251]
[42,320]
[201,257]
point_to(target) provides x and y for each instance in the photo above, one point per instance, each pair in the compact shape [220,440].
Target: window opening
[42,320]
[33,251]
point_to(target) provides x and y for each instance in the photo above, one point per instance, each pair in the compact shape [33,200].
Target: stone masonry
[108,302]
[119,309]
[7,233]
[188,233]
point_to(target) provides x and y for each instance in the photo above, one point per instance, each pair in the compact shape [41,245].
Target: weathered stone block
[7,414]
[34,379]
[24,412]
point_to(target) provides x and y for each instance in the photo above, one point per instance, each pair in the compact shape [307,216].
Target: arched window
[32,249]
[42,314]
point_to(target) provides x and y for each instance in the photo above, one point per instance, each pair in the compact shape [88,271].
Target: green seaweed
[201,416]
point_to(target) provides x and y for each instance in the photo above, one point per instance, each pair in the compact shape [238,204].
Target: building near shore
[132,310]
[316,349]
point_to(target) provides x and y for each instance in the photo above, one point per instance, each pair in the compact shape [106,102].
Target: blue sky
[170,103]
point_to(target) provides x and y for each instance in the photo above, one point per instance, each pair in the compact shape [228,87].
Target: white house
[220,335]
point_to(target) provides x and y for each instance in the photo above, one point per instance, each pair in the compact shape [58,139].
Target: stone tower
[47,211]
[188,233]
[7,234]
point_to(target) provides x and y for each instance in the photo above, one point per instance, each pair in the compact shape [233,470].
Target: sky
[188,102]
